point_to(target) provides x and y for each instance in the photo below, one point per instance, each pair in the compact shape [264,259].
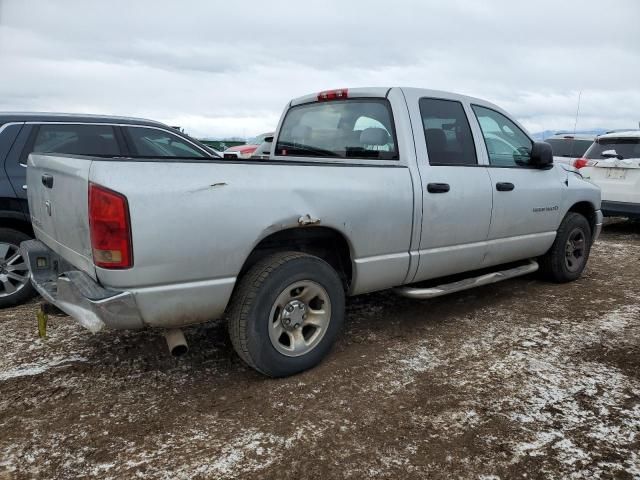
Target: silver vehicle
[569,147]
[366,189]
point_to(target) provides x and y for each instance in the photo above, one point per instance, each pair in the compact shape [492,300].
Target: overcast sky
[228,68]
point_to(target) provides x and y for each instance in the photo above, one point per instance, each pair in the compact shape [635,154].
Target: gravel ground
[520,379]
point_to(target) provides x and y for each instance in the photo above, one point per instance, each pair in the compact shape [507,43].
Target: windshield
[627,147]
[568,147]
[357,128]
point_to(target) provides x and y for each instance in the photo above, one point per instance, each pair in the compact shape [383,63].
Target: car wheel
[15,283]
[567,257]
[286,313]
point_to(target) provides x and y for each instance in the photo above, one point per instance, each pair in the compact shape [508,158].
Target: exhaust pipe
[176,342]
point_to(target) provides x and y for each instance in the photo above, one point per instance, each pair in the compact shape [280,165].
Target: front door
[526,200]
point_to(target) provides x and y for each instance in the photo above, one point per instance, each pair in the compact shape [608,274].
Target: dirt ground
[520,379]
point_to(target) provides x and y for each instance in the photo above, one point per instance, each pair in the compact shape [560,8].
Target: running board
[467,283]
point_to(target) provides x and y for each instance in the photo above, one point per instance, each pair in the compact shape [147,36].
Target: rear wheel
[286,313]
[567,257]
[15,285]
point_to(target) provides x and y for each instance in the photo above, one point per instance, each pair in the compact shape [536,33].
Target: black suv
[95,135]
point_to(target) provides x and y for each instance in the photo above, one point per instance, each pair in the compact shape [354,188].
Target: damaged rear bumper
[77,294]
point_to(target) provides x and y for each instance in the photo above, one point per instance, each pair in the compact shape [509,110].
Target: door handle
[504,186]
[437,187]
[47,180]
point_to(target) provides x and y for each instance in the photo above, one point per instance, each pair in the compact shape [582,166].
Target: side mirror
[611,154]
[541,155]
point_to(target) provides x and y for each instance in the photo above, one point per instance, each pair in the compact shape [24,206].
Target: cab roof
[383,92]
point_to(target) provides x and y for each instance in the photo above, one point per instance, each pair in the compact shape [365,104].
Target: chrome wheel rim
[299,318]
[14,274]
[575,250]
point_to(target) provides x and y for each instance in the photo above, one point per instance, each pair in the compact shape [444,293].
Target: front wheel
[567,257]
[286,313]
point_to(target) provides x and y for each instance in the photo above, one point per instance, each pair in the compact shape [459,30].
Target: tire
[13,291]
[277,295]
[557,264]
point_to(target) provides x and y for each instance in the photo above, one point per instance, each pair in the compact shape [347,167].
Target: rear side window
[355,128]
[447,133]
[152,142]
[568,147]
[627,147]
[94,140]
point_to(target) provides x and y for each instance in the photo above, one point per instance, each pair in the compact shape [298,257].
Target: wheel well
[323,242]
[17,224]
[586,210]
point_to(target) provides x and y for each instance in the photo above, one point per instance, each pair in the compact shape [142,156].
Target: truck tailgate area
[58,204]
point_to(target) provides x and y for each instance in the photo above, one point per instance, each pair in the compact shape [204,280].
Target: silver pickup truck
[423,191]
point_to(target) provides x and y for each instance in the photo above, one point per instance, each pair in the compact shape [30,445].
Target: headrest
[436,139]
[374,136]
[300,132]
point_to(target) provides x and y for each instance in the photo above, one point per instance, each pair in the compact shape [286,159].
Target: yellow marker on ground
[42,322]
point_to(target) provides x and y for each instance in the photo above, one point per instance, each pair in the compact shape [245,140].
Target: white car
[569,147]
[613,164]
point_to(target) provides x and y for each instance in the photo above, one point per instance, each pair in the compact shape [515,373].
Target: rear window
[95,140]
[355,128]
[627,147]
[568,147]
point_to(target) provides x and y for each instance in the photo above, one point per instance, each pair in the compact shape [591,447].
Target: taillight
[337,94]
[580,162]
[110,228]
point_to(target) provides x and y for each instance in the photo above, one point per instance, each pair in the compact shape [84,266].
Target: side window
[447,133]
[507,145]
[151,142]
[97,140]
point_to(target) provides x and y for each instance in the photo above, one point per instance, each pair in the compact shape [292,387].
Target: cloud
[228,68]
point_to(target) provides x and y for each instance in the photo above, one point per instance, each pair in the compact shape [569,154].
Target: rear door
[456,188]
[526,200]
[58,186]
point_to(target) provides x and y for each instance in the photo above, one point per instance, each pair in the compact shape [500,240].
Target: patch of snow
[39,367]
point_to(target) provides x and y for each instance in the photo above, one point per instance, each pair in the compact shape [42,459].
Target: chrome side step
[486,279]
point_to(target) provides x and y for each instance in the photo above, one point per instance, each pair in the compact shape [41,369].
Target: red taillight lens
[338,94]
[580,162]
[110,228]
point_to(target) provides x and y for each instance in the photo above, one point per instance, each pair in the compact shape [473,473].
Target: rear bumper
[620,209]
[77,294]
